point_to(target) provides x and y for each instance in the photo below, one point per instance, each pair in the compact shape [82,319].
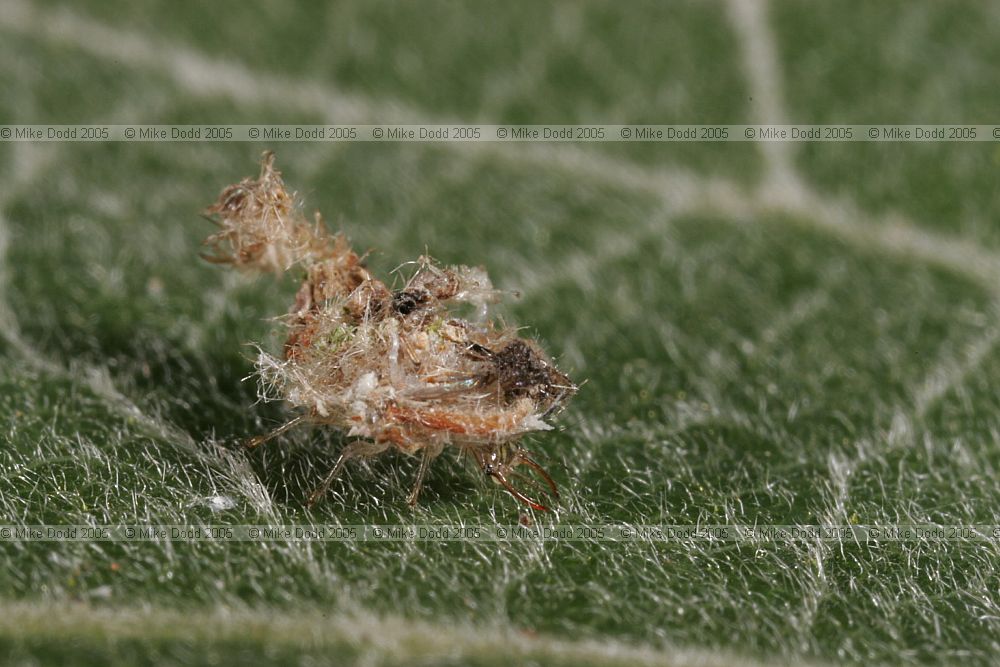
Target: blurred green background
[770,334]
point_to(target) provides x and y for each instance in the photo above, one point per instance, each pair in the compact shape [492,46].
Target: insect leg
[347,454]
[523,458]
[533,504]
[425,464]
[261,439]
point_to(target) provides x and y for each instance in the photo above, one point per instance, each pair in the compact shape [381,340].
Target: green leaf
[769,334]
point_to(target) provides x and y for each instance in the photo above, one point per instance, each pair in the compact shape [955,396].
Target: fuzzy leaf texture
[765,333]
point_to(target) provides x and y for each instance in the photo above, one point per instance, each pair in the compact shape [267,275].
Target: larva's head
[520,369]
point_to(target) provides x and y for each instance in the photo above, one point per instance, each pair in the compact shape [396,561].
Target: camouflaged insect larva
[395,368]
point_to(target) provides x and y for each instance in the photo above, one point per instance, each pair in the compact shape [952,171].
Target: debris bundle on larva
[395,368]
